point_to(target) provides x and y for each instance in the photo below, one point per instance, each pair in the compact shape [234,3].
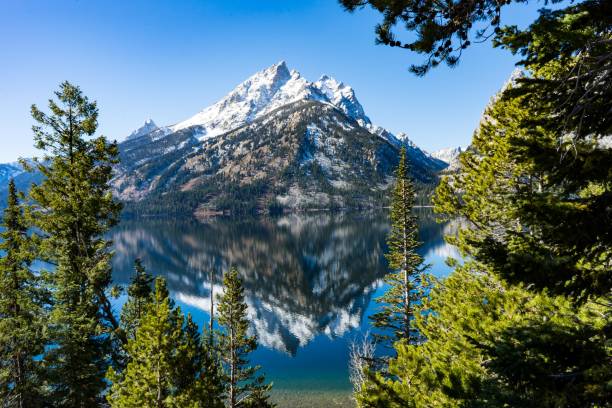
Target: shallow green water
[310,283]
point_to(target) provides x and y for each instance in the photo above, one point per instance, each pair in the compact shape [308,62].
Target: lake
[310,283]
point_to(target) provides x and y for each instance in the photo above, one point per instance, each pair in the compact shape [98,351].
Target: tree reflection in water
[304,274]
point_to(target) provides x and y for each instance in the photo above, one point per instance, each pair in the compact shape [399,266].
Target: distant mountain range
[8,170]
[275,142]
[448,155]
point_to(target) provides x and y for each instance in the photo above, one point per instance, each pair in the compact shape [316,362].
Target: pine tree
[535,201]
[490,344]
[211,377]
[211,384]
[235,345]
[151,374]
[22,312]
[541,233]
[201,373]
[404,292]
[139,296]
[165,361]
[527,322]
[73,209]
[260,395]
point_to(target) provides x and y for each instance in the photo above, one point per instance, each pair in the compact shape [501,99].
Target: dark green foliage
[545,236]
[405,282]
[259,397]
[22,312]
[211,377]
[72,209]
[531,225]
[441,30]
[526,322]
[166,361]
[139,296]
[235,345]
[490,344]
[150,376]
[570,53]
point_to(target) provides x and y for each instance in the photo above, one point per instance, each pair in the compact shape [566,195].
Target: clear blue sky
[169,59]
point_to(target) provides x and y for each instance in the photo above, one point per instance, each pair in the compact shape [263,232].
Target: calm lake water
[310,280]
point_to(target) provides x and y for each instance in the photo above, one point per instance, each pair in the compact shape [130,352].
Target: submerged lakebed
[310,283]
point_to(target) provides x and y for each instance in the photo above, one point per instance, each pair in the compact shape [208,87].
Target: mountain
[306,154]
[275,142]
[9,170]
[266,91]
[23,179]
[148,127]
[447,155]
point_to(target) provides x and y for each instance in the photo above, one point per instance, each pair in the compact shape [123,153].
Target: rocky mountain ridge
[276,142]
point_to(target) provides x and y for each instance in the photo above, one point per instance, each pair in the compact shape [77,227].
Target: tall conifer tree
[201,375]
[22,312]
[398,302]
[243,386]
[73,209]
[525,321]
[151,374]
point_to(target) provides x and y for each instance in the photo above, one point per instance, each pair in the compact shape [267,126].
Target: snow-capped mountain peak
[148,127]
[265,91]
[447,155]
[343,97]
[403,137]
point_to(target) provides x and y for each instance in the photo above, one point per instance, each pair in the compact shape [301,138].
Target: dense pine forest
[523,320]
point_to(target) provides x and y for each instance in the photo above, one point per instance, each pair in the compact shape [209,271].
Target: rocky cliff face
[303,155]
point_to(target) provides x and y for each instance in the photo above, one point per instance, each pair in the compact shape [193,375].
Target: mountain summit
[148,127]
[447,155]
[275,142]
[266,91]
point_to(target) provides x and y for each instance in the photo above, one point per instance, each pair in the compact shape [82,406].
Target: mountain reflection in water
[304,274]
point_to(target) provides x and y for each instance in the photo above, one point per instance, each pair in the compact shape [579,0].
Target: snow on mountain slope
[266,91]
[447,155]
[148,127]
[9,170]
[343,97]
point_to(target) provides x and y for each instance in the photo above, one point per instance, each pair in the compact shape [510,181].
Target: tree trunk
[17,360]
[19,379]
[405,248]
[232,370]
[159,399]
[212,304]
